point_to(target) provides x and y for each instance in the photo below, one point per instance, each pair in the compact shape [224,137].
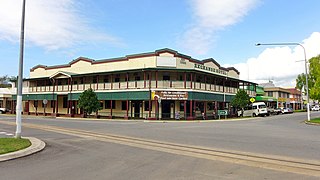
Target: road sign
[222,112]
[252,100]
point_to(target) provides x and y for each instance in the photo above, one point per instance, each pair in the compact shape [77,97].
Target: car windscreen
[262,106]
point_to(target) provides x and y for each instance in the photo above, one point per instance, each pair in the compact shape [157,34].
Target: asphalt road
[74,157]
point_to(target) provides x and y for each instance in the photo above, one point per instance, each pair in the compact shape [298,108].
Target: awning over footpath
[26,97]
[266,98]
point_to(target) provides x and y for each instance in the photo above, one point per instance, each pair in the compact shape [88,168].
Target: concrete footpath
[36,146]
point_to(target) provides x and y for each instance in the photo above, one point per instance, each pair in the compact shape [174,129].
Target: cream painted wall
[82,67]
[166,54]
[211,64]
[233,74]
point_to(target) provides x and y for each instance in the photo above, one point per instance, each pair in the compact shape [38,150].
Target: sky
[56,32]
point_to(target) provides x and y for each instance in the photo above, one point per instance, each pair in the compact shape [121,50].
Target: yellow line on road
[278,163]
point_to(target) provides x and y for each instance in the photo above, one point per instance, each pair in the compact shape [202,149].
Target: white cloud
[49,24]
[281,64]
[211,16]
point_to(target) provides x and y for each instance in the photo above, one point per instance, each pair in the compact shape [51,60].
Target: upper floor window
[94,79]
[117,78]
[137,78]
[106,79]
[166,77]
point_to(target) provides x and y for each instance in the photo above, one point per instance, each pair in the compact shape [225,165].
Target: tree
[301,81]
[89,102]
[314,75]
[241,99]
[313,79]
[4,81]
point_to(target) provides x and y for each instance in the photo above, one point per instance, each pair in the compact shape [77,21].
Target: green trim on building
[265,98]
[259,90]
[26,97]
[128,95]
[200,96]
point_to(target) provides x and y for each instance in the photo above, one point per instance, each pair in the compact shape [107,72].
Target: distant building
[295,96]
[261,96]
[6,98]
[282,97]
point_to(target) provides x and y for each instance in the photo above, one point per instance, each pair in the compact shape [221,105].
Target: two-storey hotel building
[162,84]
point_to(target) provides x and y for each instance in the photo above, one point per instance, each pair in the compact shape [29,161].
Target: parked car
[277,111]
[315,108]
[286,110]
[3,110]
[254,109]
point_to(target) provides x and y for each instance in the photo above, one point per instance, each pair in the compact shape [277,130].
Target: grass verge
[316,120]
[8,145]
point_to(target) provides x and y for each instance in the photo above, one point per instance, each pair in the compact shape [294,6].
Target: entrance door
[26,106]
[137,106]
[166,107]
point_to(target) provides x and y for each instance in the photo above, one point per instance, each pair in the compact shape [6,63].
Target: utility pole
[20,75]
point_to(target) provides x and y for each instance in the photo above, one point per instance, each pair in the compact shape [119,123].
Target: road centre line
[278,163]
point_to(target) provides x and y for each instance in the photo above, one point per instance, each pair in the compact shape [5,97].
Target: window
[117,78]
[65,102]
[107,104]
[146,106]
[75,82]
[137,78]
[106,79]
[35,103]
[94,79]
[188,77]
[270,94]
[166,77]
[101,104]
[123,105]
[181,106]
[211,106]
[52,103]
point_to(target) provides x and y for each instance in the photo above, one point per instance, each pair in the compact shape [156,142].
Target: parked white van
[254,109]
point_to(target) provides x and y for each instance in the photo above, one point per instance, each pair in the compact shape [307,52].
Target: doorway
[166,107]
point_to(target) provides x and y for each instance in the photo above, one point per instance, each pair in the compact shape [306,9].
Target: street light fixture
[306,66]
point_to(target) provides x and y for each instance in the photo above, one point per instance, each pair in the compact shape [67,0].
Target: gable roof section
[68,74]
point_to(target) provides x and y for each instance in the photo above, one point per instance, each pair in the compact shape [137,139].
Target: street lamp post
[20,75]
[306,66]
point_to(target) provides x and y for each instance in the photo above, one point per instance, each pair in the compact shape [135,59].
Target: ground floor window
[65,102]
[123,105]
[107,104]
[35,103]
[146,106]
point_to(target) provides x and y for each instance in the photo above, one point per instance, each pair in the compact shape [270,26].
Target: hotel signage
[206,68]
[170,95]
